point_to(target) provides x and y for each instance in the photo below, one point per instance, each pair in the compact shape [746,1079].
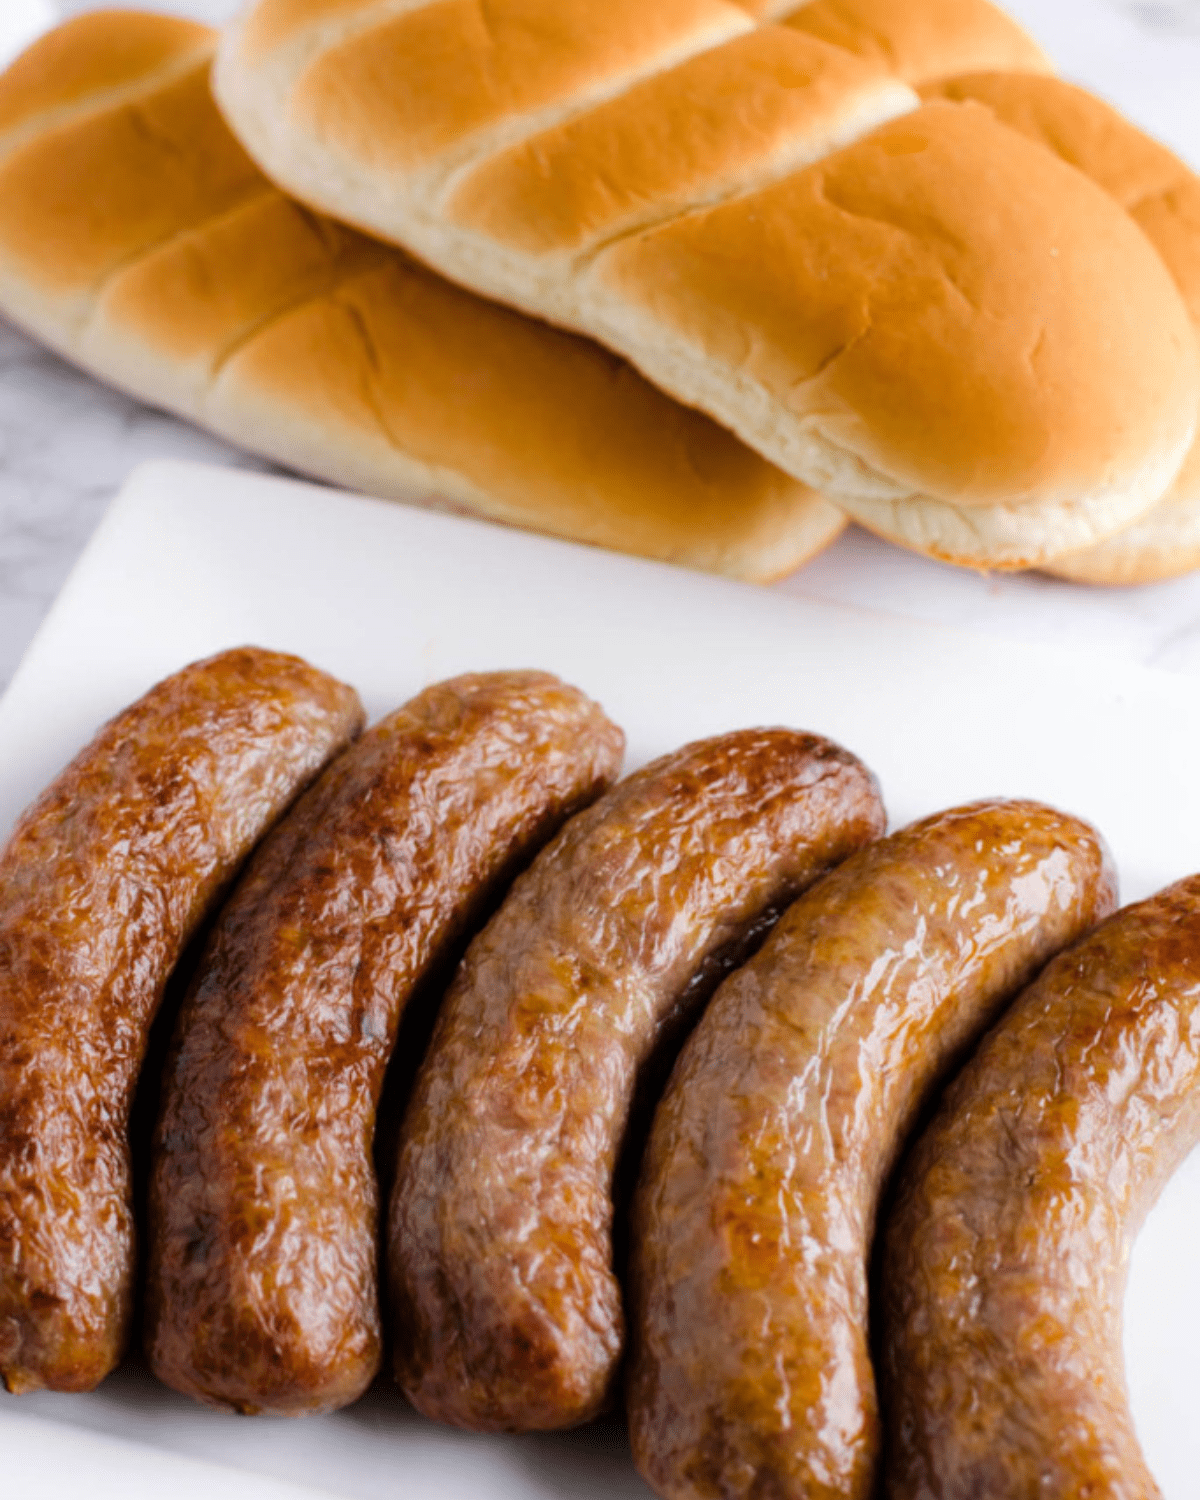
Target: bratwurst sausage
[750,1373]
[105,879]
[262,1288]
[1006,1254]
[508,1312]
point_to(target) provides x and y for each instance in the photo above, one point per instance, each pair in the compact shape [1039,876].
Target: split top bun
[139,240]
[947,329]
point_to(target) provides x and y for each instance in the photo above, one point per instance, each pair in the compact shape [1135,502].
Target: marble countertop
[66,443]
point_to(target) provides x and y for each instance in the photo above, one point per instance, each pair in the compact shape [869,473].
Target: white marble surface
[67,443]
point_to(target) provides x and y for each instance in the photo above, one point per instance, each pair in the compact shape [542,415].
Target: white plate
[192,560]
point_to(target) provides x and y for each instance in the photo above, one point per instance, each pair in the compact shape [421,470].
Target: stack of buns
[907,275]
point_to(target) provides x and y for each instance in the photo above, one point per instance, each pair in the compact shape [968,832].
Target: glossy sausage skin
[105,879]
[262,1290]
[508,1312]
[1006,1254]
[750,1373]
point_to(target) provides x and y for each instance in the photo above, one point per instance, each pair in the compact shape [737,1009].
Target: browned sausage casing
[105,878]
[1006,1254]
[262,1288]
[750,1373]
[508,1311]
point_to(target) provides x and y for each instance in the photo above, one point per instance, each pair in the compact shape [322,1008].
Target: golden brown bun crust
[96,53]
[734,116]
[137,239]
[923,39]
[1148,181]
[948,303]
[1163,195]
[82,199]
[617,463]
[410,88]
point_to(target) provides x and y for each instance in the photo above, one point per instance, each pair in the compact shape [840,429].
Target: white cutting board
[191,560]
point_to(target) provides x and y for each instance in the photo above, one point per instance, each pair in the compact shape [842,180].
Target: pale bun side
[1007,537]
[162,261]
[940,319]
[1163,195]
[1164,544]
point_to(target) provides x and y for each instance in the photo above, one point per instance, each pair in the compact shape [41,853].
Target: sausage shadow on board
[579,1463]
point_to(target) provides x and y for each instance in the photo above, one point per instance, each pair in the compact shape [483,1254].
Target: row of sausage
[840,979]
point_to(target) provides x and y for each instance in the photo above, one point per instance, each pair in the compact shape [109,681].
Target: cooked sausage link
[508,1312]
[750,1373]
[1006,1254]
[262,1290]
[105,879]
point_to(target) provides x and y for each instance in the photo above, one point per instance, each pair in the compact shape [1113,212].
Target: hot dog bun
[1163,196]
[139,240]
[950,332]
